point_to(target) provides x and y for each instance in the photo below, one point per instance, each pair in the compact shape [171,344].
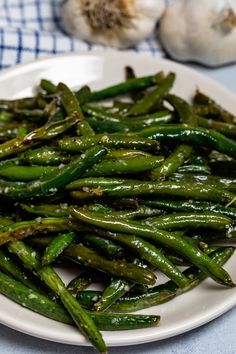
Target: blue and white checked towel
[30,29]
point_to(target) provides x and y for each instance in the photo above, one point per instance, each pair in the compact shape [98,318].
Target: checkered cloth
[30,29]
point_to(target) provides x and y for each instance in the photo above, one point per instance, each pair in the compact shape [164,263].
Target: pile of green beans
[123,190]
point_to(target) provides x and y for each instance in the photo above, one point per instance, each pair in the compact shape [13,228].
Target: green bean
[52,210]
[205,110]
[182,152]
[22,229]
[81,282]
[48,86]
[32,300]
[157,118]
[57,116]
[101,181]
[189,220]
[102,120]
[83,94]
[11,162]
[126,154]
[177,260]
[118,322]
[12,127]
[45,155]
[171,164]
[84,196]
[51,109]
[130,74]
[224,128]
[216,156]
[171,240]
[84,129]
[195,206]
[165,292]
[214,181]
[116,289]
[194,169]
[57,246]
[127,86]
[22,103]
[195,242]
[183,133]
[5,116]
[30,113]
[121,269]
[46,132]
[99,208]
[25,173]
[88,298]
[122,203]
[102,113]
[11,131]
[4,221]
[102,126]
[75,145]
[163,116]
[140,212]
[107,247]
[120,107]
[198,158]
[124,166]
[54,111]
[148,253]
[183,109]
[201,98]
[51,182]
[31,259]
[145,104]
[69,101]
[169,188]
[9,266]
[231,234]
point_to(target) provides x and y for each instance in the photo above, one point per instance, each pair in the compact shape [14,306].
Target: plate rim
[199,320]
[109,52]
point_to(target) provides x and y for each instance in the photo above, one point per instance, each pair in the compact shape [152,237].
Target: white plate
[186,312]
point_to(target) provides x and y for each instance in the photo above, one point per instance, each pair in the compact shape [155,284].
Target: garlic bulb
[117,23]
[200,30]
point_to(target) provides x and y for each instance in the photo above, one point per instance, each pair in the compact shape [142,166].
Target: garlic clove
[117,23]
[189,33]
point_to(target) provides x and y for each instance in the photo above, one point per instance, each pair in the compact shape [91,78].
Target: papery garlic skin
[116,23]
[202,31]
